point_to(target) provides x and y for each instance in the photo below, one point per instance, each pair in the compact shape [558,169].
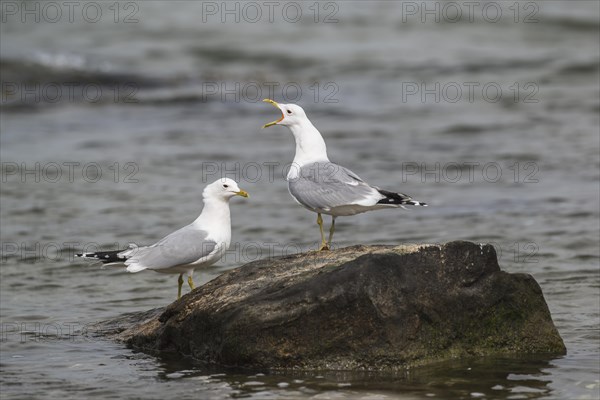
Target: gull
[199,244]
[324,187]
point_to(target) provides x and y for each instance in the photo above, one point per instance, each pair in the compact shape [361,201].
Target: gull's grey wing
[181,247]
[324,185]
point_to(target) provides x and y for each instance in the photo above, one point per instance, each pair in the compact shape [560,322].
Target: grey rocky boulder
[360,307]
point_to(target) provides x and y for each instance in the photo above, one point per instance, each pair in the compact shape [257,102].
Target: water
[147,110]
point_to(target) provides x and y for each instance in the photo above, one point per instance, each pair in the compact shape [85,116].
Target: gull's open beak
[274,103]
[242,193]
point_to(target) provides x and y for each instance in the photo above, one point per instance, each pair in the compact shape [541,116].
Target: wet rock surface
[360,307]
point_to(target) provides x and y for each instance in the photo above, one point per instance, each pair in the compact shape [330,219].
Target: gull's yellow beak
[274,103]
[242,193]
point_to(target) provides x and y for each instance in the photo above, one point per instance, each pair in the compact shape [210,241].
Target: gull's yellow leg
[179,283]
[323,242]
[331,230]
[191,282]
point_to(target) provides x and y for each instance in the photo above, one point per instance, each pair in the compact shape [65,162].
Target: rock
[360,307]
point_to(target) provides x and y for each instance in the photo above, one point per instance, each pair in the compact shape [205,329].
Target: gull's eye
[225,186]
[289,111]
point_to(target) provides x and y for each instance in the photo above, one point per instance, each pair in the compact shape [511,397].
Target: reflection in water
[495,377]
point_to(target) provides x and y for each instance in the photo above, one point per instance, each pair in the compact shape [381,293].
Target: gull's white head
[291,114]
[310,145]
[223,189]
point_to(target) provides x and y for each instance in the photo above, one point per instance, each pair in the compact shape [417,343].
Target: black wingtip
[398,199]
[105,257]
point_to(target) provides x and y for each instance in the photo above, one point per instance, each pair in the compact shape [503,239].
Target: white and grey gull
[199,244]
[325,187]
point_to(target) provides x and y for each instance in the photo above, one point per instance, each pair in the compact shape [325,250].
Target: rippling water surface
[110,130]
